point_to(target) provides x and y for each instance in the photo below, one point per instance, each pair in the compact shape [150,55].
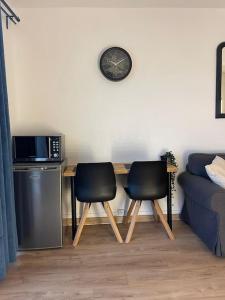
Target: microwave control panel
[55,147]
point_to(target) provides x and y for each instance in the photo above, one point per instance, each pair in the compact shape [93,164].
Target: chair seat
[93,200]
[143,196]
[93,195]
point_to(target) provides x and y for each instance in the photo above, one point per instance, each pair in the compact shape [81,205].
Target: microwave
[37,149]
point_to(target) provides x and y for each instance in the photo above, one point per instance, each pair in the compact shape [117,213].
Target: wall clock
[115,63]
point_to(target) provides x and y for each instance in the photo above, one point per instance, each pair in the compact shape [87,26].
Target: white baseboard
[141,213]
[119,219]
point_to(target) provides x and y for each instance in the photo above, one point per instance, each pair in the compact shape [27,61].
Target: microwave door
[25,148]
[42,147]
[32,148]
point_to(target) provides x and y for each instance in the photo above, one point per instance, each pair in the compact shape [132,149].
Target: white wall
[166,103]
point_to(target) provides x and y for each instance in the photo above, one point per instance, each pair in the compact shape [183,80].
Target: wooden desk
[120,169]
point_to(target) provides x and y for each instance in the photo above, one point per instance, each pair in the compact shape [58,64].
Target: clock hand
[120,61]
[112,62]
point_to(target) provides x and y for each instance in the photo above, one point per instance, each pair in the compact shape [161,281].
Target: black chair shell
[95,182]
[147,180]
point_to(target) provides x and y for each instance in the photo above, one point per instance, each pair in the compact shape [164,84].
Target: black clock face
[115,63]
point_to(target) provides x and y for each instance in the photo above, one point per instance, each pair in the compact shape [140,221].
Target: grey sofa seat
[204,203]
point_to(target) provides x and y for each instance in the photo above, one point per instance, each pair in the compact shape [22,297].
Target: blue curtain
[8,237]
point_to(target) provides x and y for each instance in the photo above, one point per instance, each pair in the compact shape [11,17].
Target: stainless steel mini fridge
[38,201]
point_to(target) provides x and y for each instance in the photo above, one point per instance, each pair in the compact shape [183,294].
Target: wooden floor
[150,267]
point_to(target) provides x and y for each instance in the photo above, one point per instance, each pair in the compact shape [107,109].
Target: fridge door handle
[20,169]
[16,169]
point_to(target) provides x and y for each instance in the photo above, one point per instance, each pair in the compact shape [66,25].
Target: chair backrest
[95,182]
[148,180]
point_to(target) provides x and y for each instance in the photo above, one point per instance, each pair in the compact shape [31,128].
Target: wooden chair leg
[133,221]
[131,207]
[112,222]
[81,224]
[154,212]
[163,221]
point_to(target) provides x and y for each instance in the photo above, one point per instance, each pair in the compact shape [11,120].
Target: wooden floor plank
[151,267]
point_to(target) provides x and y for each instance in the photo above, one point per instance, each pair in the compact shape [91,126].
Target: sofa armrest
[203,191]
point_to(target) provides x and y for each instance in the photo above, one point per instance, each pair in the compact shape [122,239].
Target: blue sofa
[204,203]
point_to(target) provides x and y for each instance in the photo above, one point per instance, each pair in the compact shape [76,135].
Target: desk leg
[169,202]
[74,209]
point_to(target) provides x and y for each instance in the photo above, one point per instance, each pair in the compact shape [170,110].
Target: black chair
[95,182]
[147,180]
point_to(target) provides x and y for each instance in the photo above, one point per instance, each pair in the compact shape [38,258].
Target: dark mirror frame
[219,80]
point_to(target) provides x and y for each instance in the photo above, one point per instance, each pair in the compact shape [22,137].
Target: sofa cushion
[216,174]
[198,161]
[216,171]
[219,161]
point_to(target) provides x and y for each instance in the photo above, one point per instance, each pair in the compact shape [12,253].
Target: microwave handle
[49,147]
